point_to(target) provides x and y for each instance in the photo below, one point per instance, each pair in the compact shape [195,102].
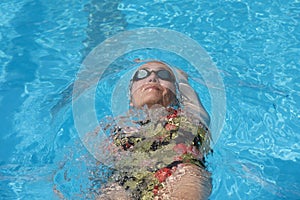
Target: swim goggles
[162,74]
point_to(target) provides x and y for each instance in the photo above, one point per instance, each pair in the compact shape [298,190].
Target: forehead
[155,66]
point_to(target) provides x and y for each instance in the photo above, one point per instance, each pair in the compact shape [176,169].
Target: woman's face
[153,89]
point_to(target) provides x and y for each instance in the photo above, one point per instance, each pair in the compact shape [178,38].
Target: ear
[182,76]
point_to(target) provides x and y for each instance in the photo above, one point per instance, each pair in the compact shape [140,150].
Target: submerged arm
[191,101]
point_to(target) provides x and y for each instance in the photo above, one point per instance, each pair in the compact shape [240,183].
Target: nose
[153,77]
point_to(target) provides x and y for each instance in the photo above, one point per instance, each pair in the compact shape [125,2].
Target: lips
[152,87]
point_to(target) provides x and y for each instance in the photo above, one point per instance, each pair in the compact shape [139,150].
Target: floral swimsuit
[156,150]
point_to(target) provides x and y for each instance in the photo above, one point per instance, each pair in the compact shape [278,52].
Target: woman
[165,154]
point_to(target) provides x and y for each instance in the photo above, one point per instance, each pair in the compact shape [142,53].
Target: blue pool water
[254,44]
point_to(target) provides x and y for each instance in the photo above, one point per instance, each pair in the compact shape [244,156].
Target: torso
[155,150]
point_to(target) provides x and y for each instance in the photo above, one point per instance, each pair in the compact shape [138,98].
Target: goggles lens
[162,74]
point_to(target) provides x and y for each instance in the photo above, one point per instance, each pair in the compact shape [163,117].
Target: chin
[149,103]
[150,99]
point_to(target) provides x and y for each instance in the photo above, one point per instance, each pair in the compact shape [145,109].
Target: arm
[191,101]
[113,192]
[189,182]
